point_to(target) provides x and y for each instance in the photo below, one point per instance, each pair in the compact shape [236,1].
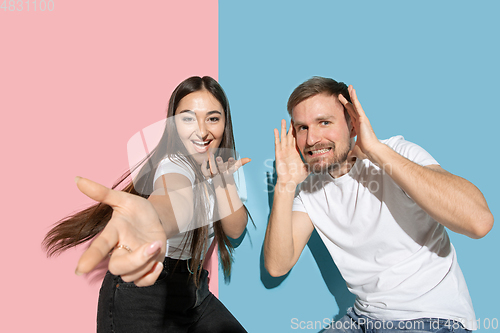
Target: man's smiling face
[322,133]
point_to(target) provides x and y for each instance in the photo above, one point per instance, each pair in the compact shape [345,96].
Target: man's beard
[319,165]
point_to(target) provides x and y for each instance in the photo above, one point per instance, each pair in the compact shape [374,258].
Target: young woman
[184,192]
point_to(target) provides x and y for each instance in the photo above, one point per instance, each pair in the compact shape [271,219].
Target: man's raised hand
[289,166]
[366,138]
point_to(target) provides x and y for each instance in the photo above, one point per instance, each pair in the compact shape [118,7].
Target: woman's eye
[188,119]
[213,119]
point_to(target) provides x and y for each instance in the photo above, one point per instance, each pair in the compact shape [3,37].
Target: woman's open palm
[134,232]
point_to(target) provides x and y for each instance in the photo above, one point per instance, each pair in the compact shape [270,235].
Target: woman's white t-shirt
[179,246]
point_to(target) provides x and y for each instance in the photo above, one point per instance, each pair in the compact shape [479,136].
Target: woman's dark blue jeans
[172,304]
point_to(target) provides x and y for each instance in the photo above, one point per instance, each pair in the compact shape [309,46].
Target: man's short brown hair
[318,85]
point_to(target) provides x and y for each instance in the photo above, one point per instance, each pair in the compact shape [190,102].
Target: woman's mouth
[201,146]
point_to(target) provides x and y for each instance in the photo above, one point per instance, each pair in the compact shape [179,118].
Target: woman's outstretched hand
[216,166]
[134,234]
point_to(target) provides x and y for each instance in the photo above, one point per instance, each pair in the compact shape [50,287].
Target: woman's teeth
[202,143]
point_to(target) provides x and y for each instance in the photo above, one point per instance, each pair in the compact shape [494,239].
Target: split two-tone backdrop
[78,79]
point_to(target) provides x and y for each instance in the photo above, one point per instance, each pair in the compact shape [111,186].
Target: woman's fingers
[150,277]
[97,251]
[132,265]
[238,164]
[99,192]
[204,170]
[212,164]
[221,166]
[244,160]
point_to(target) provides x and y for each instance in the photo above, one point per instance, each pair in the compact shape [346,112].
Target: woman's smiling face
[200,122]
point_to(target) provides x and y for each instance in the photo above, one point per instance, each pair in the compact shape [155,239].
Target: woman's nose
[202,131]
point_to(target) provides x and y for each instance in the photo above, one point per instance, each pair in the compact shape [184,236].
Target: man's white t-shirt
[394,257]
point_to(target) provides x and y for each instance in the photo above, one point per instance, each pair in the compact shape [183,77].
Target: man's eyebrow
[297,123]
[320,118]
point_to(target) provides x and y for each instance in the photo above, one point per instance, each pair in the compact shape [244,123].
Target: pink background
[75,84]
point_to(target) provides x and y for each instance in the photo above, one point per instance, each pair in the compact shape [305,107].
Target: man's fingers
[290,134]
[355,101]
[98,192]
[352,112]
[283,131]
[276,138]
[343,100]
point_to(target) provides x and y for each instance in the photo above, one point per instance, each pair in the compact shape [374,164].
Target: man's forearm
[278,243]
[450,200]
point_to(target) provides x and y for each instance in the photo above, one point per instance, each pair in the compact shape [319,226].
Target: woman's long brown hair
[86,224]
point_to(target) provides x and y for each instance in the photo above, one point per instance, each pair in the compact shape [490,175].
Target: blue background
[427,70]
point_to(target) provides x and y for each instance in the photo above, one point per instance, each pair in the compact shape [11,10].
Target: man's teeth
[321,151]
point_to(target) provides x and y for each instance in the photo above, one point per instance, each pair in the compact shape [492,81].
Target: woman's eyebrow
[193,113]
[187,111]
[212,112]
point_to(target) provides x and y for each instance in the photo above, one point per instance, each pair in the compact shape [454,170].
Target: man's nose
[312,137]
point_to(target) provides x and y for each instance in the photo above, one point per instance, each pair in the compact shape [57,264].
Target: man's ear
[352,132]
[293,127]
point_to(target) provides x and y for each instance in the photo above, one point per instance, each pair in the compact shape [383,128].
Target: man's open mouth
[319,151]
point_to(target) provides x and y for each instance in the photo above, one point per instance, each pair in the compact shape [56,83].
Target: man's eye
[301,128]
[325,122]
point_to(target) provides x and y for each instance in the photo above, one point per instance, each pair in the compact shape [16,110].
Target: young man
[380,207]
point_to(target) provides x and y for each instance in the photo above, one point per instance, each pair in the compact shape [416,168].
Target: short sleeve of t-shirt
[405,148]
[174,165]
[298,205]
[410,150]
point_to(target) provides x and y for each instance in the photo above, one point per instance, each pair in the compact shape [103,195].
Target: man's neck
[344,168]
